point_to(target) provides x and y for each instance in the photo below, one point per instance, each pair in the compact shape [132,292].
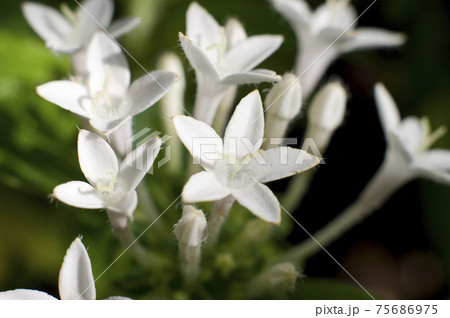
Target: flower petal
[79,194]
[25,294]
[97,159]
[337,15]
[107,66]
[199,60]
[235,32]
[137,163]
[296,12]
[434,164]
[51,26]
[123,26]
[75,277]
[66,94]
[387,109]
[94,15]
[412,134]
[281,162]
[366,38]
[201,27]
[200,139]
[148,89]
[244,133]
[253,77]
[202,187]
[259,200]
[249,53]
[125,205]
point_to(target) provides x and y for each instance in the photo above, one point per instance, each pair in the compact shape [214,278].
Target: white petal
[25,294]
[253,77]
[338,15]
[51,26]
[434,164]
[148,89]
[117,298]
[296,12]
[251,52]
[107,127]
[137,163]
[281,162]
[412,134]
[125,205]
[107,66]
[259,200]
[79,194]
[235,33]
[75,277]
[201,27]
[200,139]
[122,26]
[66,94]
[94,15]
[199,60]
[202,187]
[97,159]
[387,108]
[245,129]
[367,38]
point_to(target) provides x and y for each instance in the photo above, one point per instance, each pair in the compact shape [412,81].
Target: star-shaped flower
[223,58]
[76,281]
[408,143]
[332,23]
[106,97]
[71,31]
[236,166]
[111,186]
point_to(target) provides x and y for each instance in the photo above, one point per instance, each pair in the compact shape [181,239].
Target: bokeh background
[402,251]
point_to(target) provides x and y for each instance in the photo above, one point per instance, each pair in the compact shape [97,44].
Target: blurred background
[402,251]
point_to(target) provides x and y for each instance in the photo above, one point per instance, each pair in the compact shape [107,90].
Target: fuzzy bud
[280,277]
[283,104]
[191,230]
[326,113]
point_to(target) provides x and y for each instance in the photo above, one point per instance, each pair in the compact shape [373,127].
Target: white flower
[111,186]
[192,229]
[76,281]
[106,98]
[223,58]
[316,31]
[71,31]
[409,141]
[236,166]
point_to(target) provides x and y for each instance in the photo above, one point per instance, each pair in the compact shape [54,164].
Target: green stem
[218,215]
[147,205]
[297,190]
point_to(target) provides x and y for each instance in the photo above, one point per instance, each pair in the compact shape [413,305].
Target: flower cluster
[238,156]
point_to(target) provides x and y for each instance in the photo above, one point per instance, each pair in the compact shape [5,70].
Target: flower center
[430,137]
[109,188]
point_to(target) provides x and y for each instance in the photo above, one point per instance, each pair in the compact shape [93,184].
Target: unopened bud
[283,104]
[191,230]
[326,113]
[280,277]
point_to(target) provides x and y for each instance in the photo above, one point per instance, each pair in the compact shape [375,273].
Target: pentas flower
[409,141]
[223,58]
[111,185]
[332,23]
[235,165]
[72,30]
[106,97]
[76,281]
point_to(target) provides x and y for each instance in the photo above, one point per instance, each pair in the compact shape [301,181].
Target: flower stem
[123,232]
[190,262]
[219,214]
[147,205]
[297,189]
[389,178]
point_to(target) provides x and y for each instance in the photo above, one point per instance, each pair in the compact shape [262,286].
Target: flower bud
[283,103]
[326,113]
[191,230]
[280,277]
